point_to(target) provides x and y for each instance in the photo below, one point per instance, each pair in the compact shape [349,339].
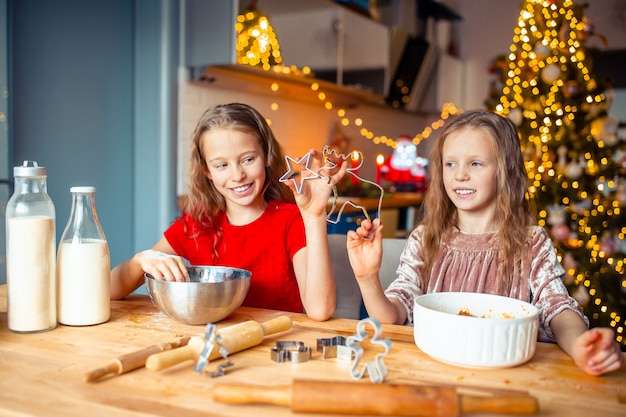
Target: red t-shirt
[264,247]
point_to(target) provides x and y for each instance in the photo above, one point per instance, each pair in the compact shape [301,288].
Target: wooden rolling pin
[235,338]
[133,360]
[333,397]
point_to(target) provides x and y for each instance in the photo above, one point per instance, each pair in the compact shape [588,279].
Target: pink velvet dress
[468,263]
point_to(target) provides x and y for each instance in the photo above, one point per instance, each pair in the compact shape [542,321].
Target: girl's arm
[160,261]
[312,264]
[365,251]
[313,269]
[594,351]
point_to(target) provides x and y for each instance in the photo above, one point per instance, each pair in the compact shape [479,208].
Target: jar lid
[83,189]
[29,169]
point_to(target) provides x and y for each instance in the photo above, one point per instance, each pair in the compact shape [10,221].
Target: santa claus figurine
[404,168]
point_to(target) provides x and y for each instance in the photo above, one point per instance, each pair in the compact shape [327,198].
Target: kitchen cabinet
[330,39]
[440,84]
[338,44]
[341,47]
[255,81]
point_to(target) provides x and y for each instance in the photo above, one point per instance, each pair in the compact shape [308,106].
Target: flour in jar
[84,282]
[31,273]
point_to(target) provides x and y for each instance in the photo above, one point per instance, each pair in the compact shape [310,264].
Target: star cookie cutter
[294,171]
[376,369]
[290,350]
[298,167]
[334,347]
[211,337]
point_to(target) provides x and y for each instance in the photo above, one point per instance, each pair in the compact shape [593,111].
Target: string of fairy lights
[547,118]
[257,45]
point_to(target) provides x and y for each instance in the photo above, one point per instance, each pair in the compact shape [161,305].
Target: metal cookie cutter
[288,350]
[221,369]
[334,347]
[210,337]
[376,368]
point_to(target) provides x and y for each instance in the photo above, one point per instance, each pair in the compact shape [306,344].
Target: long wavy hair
[203,201]
[513,213]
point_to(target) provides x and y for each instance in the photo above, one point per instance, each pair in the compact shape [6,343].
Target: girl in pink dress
[478,235]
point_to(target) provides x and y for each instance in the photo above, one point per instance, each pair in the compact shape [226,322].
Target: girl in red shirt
[239,214]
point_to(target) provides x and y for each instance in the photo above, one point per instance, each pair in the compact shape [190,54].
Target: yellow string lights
[257,45]
[448,109]
[256,40]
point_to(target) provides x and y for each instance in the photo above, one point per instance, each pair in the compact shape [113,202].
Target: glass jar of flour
[84,264]
[31,252]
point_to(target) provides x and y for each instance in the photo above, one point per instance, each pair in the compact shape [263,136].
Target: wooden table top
[42,374]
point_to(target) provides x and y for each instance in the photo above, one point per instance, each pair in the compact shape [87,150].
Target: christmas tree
[574,157]
[256,45]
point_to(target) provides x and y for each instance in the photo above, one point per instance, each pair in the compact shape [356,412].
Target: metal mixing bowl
[211,294]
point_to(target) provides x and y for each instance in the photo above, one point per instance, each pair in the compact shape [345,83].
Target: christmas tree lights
[546,87]
[256,40]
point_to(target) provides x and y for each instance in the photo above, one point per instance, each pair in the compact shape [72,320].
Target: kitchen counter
[393,201]
[42,374]
[397,200]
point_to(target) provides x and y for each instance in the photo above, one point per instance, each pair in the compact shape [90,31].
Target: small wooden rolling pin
[235,338]
[133,360]
[333,397]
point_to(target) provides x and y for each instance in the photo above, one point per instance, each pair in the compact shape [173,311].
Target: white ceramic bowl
[499,332]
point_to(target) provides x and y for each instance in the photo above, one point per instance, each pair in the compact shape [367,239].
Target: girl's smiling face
[469,174]
[236,164]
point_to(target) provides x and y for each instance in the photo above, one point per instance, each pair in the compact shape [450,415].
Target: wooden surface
[42,374]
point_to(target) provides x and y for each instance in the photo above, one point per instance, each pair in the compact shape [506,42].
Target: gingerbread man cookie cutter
[329,154]
[376,369]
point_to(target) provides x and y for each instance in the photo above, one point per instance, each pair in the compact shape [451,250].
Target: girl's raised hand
[315,192]
[365,249]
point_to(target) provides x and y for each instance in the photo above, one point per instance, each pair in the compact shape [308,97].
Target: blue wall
[5,178]
[92,99]
[72,102]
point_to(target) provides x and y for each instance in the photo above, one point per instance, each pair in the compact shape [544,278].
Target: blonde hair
[513,213]
[203,201]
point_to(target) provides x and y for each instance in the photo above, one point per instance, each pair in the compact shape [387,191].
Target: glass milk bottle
[31,252]
[84,264]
